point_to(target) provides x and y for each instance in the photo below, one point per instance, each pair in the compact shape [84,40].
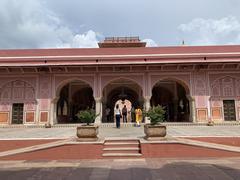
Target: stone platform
[55,143]
[67,131]
[127,169]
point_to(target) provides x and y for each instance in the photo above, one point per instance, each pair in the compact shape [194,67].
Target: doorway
[17,113]
[74,97]
[173,97]
[229,110]
[128,105]
[122,92]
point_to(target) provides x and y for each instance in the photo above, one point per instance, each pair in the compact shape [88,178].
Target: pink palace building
[195,84]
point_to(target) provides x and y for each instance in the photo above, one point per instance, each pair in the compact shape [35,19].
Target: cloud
[150,43]
[211,31]
[88,39]
[32,25]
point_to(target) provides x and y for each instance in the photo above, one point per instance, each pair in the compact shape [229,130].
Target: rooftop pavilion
[121,42]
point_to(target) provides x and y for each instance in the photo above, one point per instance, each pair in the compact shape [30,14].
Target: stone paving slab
[66,132]
[127,169]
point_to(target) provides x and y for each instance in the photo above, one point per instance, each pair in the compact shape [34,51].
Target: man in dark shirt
[124,113]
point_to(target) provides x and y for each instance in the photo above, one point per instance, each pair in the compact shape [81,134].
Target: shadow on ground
[124,171]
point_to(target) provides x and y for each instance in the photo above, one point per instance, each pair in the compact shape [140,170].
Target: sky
[83,23]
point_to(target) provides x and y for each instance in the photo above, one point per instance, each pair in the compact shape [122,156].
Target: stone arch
[122,78]
[17,90]
[21,95]
[220,85]
[175,79]
[61,84]
[224,89]
[132,95]
[71,96]
[174,94]
[114,88]
[222,77]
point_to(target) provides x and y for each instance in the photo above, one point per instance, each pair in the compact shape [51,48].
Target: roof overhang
[55,60]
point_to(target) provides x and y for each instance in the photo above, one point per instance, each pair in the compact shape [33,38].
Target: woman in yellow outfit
[138,113]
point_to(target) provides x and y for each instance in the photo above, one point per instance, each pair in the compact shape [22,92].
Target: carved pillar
[147,103]
[37,112]
[51,113]
[147,106]
[53,116]
[209,108]
[98,108]
[192,108]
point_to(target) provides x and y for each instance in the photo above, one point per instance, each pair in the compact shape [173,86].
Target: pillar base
[147,120]
[97,120]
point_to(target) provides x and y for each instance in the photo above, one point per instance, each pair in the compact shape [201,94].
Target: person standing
[124,113]
[117,113]
[107,113]
[138,113]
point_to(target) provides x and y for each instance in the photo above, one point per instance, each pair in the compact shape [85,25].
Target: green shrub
[156,114]
[87,116]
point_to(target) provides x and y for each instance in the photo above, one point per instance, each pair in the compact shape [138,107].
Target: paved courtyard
[65,132]
[123,169]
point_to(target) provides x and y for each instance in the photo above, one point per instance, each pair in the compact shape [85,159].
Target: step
[121,146]
[122,155]
[122,150]
[121,139]
[121,143]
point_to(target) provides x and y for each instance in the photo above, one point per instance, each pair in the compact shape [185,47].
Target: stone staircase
[122,148]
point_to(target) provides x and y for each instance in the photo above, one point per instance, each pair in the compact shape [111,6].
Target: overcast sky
[82,23]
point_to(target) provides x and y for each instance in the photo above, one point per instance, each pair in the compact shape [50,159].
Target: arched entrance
[128,106]
[174,97]
[73,97]
[125,92]
[19,100]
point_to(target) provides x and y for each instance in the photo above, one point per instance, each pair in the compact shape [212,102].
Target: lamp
[122,95]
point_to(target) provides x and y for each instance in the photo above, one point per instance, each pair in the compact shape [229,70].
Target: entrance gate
[17,113]
[229,110]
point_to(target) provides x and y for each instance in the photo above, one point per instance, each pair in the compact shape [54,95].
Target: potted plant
[87,131]
[154,130]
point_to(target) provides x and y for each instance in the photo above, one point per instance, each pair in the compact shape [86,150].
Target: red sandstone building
[194,83]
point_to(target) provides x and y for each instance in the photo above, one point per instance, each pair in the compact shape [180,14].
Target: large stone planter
[155,132]
[87,133]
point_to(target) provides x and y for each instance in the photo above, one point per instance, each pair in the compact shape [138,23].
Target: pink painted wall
[37,92]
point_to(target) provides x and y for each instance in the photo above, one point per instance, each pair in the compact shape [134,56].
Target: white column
[209,108]
[98,107]
[53,113]
[37,121]
[147,106]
